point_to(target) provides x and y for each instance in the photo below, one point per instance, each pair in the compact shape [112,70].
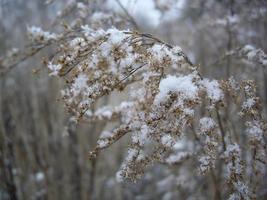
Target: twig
[221,128]
[128,15]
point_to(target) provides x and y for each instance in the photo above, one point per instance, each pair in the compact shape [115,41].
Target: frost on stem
[235,172]
[252,54]
[209,132]
[37,34]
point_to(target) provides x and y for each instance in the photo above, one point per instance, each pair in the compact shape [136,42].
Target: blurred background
[43,157]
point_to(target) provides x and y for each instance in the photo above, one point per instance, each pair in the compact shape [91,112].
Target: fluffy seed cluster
[100,62]
[164,95]
[170,113]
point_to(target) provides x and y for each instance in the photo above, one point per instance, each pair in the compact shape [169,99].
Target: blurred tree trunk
[7,162]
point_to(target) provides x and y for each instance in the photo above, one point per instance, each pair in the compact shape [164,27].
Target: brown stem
[92,178]
[221,128]
[217,195]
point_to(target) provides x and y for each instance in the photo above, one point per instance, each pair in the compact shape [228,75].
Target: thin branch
[221,128]
[132,72]
[117,134]
[128,15]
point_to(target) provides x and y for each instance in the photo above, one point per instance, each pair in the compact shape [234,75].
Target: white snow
[232,150]
[178,157]
[102,142]
[206,124]
[141,136]
[119,177]
[79,84]
[251,55]
[247,48]
[213,89]
[54,68]
[37,33]
[79,41]
[116,36]
[106,134]
[234,196]
[242,189]
[254,131]
[131,154]
[167,140]
[248,104]
[105,112]
[182,84]
[39,176]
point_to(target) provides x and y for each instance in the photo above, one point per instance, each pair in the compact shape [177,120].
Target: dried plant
[163,100]
[165,94]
